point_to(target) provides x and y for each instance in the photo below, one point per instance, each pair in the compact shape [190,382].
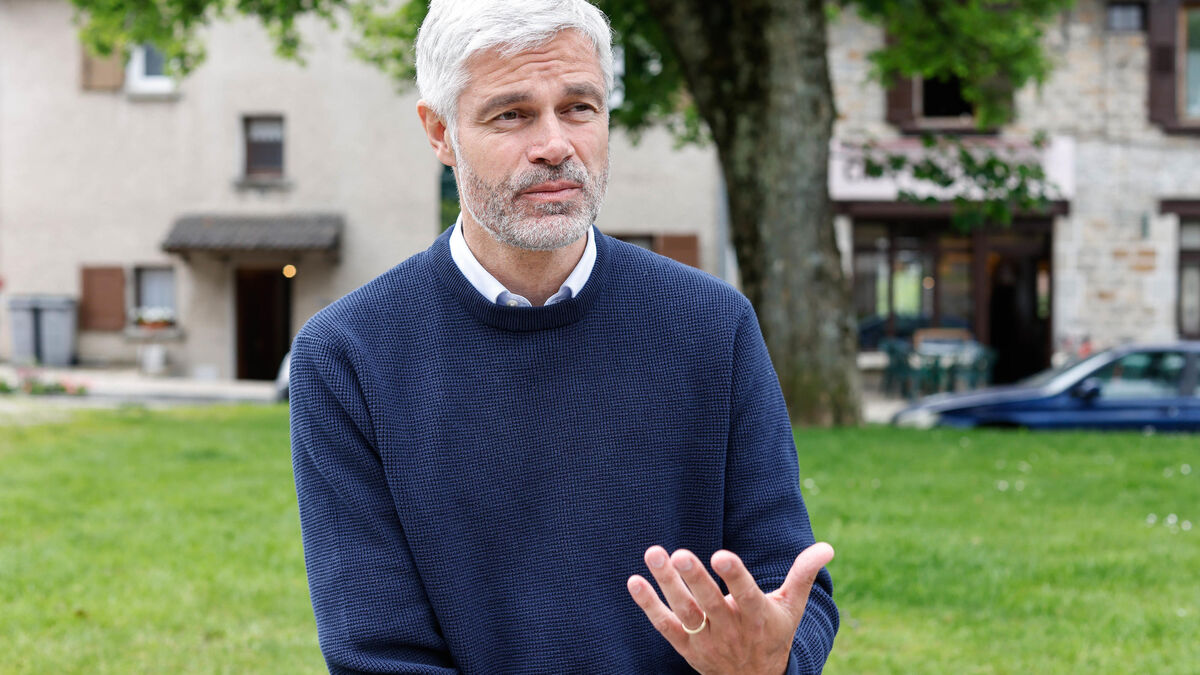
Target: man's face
[532,143]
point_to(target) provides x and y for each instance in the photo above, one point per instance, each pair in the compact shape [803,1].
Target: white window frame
[139,84]
[133,295]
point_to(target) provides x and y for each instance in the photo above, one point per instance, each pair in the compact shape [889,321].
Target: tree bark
[758,72]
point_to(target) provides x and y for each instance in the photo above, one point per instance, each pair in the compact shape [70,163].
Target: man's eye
[507,116]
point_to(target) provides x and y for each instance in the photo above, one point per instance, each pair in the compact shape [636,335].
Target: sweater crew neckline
[519,319]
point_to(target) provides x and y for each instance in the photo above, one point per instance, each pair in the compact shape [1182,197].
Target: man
[491,438]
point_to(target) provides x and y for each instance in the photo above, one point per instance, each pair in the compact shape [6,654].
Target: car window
[1142,375]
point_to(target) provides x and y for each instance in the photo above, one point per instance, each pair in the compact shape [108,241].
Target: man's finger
[796,587]
[679,597]
[701,583]
[661,617]
[741,584]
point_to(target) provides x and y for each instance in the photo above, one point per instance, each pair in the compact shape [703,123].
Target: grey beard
[533,226]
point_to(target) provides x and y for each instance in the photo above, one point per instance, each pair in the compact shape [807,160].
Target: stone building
[209,217]
[1117,260]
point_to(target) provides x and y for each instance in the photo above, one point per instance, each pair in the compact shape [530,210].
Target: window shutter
[684,248]
[102,300]
[102,73]
[900,109]
[1162,38]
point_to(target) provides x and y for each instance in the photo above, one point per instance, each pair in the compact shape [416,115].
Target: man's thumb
[799,581]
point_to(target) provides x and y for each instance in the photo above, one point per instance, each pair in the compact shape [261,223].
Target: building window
[1190,77]
[943,99]
[146,73]
[1126,17]
[154,296]
[918,105]
[264,146]
[1189,279]
[1173,35]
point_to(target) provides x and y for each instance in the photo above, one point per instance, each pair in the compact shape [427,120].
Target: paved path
[879,410]
[109,388]
[114,386]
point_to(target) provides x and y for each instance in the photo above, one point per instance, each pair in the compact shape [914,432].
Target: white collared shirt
[494,291]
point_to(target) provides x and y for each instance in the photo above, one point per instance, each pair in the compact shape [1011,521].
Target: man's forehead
[566,53]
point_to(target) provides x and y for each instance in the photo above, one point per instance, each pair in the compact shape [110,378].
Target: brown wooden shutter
[900,109]
[102,73]
[102,299]
[684,248]
[1162,36]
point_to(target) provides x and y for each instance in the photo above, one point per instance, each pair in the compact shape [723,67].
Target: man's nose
[551,144]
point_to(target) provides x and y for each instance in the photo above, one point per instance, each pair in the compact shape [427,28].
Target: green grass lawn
[139,542]
[995,552]
[168,542]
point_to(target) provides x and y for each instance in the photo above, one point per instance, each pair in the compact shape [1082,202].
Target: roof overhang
[269,233]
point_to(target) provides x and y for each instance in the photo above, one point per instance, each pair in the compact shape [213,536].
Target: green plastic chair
[897,372]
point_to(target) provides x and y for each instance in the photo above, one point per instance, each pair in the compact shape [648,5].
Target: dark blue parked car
[1131,387]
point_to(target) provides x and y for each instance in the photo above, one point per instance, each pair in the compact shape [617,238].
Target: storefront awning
[235,233]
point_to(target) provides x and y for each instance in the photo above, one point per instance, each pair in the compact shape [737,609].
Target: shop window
[906,279]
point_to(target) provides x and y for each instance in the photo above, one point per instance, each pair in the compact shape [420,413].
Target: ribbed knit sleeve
[766,522]
[372,613]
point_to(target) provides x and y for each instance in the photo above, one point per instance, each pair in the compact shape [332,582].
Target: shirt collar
[494,291]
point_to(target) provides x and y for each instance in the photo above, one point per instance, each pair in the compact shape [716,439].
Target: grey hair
[455,30]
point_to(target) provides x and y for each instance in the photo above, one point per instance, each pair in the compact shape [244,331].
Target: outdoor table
[937,364]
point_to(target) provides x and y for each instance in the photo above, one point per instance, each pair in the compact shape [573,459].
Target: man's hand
[746,632]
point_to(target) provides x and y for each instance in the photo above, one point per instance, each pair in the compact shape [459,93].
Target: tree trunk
[758,72]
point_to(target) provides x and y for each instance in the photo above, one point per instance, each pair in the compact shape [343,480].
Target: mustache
[572,171]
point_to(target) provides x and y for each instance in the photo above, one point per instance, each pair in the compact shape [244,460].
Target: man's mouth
[553,191]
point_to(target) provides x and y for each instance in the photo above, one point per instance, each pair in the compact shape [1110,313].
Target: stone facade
[1115,256]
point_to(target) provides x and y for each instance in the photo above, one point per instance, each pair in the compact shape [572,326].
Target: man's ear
[435,131]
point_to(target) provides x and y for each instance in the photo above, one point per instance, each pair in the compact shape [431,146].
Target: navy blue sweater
[477,482]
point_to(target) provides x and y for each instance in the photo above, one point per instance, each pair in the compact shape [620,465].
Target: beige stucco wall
[97,178]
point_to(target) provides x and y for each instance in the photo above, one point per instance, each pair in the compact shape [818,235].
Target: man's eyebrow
[585,90]
[503,101]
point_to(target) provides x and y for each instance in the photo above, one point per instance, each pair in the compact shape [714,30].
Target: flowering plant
[155,316]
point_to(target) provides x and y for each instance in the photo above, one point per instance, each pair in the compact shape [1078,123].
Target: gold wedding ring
[697,629]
